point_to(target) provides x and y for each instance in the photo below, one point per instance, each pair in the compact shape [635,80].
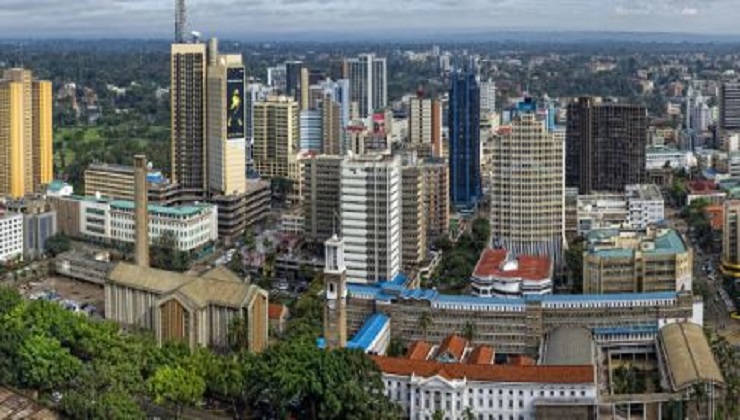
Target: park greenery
[459,258]
[91,369]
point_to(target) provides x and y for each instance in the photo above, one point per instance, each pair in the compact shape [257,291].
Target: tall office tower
[368,80]
[226,125]
[436,197]
[731,239]
[370,211]
[425,124]
[321,182]
[331,126]
[180,21]
[729,105]
[293,79]
[487,98]
[527,188]
[187,102]
[311,125]
[277,78]
[701,115]
[413,215]
[256,92]
[25,133]
[338,92]
[276,135]
[464,139]
[605,147]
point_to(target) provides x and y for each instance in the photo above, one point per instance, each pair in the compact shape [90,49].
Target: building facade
[311,130]
[636,262]
[499,274]
[321,200]
[605,147]
[463,121]
[370,209]
[368,80]
[25,133]
[731,239]
[436,198]
[425,124]
[37,228]
[11,236]
[640,206]
[188,113]
[413,217]
[276,136]
[729,105]
[527,189]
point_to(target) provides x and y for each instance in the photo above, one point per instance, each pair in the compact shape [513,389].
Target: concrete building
[84,266]
[25,133]
[225,123]
[731,239]
[321,198]
[729,106]
[413,216]
[639,207]
[636,262]
[605,145]
[657,157]
[499,274]
[332,142]
[188,113]
[370,210]
[368,80]
[117,182]
[276,136]
[487,103]
[311,130]
[37,228]
[527,189]
[11,236]
[436,197]
[257,202]
[463,120]
[425,124]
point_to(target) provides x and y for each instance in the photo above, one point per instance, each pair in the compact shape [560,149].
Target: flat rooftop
[615,243]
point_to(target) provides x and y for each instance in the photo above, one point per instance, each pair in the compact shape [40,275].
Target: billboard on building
[235,103]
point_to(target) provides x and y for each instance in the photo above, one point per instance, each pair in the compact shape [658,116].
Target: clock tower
[335,308]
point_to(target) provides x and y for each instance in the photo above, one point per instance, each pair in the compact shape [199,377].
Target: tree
[438,415]
[57,244]
[165,255]
[574,263]
[238,333]
[468,414]
[425,322]
[237,264]
[176,387]
[249,240]
[470,331]
[45,364]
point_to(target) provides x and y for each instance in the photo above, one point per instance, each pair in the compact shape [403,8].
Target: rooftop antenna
[181,21]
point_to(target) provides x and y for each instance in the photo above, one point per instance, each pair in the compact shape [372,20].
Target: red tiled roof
[481,355]
[487,373]
[520,360]
[715,213]
[276,311]
[454,345]
[419,350]
[530,267]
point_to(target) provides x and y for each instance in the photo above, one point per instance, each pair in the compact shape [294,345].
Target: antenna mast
[181,20]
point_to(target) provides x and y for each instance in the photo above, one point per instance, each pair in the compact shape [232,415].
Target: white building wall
[11,236]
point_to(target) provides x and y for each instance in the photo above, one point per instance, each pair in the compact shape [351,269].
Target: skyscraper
[321,198]
[25,133]
[226,123]
[527,188]
[413,215]
[368,80]
[729,105]
[487,98]
[605,147]
[181,21]
[371,217]
[311,125]
[188,101]
[276,135]
[331,126]
[294,79]
[425,124]
[464,143]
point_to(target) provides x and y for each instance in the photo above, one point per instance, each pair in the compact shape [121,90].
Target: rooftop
[614,243]
[452,347]
[481,355]
[689,359]
[181,211]
[497,263]
[369,331]
[419,350]
[487,373]
[568,347]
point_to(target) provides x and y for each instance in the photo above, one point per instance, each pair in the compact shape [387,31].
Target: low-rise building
[498,273]
[629,261]
[11,236]
[640,206]
[37,228]
[85,266]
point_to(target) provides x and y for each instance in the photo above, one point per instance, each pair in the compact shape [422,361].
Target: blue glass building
[464,146]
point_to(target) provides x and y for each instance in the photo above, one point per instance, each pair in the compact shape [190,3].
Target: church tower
[335,308]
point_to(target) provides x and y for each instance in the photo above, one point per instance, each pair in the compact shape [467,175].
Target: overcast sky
[153,18]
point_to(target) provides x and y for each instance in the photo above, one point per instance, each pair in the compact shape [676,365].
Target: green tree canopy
[177,387]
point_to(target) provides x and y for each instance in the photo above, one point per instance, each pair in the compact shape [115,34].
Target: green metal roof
[668,243]
[184,211]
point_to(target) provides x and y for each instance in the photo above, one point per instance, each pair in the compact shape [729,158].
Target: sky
[234,18]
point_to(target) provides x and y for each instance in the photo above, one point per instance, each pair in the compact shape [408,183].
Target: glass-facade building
[464,144]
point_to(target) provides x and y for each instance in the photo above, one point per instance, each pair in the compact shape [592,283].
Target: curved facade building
[499,274]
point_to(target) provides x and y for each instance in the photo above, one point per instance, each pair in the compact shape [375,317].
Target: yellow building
[276,136]
[25,133]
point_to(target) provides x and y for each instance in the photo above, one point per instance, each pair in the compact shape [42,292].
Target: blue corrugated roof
[475,300]
[365,337]
[635,329]
[613,296]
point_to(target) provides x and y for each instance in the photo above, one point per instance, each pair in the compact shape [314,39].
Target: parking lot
[78,293]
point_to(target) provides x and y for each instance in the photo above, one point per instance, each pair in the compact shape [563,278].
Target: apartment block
[413,217]
[321,197]
[11,236]
[276,136]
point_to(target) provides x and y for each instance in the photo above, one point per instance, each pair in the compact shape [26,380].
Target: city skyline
[252,18]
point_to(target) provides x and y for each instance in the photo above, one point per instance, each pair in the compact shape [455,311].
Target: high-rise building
[527,188]
[368,80]
[413,216]
[731,239]
[311,126]
[729,105]
[277,78]
[276,136]
[371,217]
[464,139]
[331,126]
[226,123]
[487,98]
[321,184]
[425,124]
[188,109]
[605,147]
[297,82]
[25,133]
[436,197]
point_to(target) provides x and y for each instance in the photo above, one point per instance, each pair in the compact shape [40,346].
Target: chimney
[141,216]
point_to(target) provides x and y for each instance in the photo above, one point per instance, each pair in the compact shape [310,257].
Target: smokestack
[141,216]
